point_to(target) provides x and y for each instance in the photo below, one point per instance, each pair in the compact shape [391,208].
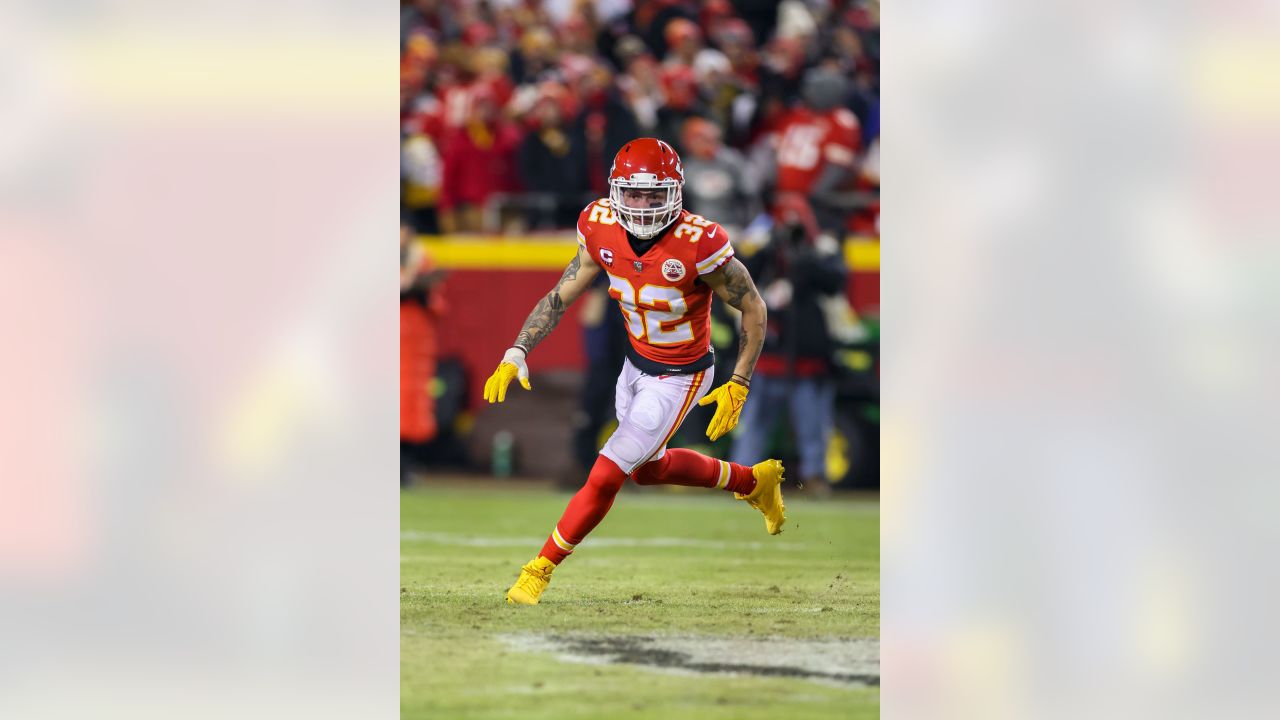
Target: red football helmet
[645,186]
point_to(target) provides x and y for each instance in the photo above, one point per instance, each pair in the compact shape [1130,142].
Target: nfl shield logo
[638,265]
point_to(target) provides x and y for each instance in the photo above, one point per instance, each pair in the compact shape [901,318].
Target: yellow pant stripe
[684,408]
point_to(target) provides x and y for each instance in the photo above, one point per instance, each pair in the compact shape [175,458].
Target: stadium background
[510,114]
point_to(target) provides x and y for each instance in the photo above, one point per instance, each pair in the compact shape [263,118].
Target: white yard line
[440,538]
[802,505]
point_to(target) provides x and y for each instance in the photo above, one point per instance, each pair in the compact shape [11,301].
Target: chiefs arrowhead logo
[673,269]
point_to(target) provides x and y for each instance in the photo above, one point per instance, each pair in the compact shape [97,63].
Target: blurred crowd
[512,110]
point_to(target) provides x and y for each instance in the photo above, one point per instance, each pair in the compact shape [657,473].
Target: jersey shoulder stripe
[716,259]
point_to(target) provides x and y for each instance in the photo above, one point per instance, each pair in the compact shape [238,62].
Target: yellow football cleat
[534,578]
[767,497]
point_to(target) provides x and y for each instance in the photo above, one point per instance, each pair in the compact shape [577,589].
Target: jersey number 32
[645,318]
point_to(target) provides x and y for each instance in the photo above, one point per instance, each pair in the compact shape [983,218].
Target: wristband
[521,348]
[741,380]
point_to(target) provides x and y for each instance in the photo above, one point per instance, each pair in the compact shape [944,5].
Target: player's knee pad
[625,449]
[639,433]
[636,436]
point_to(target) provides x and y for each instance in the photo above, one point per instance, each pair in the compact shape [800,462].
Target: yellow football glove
[729,399]
[511,367]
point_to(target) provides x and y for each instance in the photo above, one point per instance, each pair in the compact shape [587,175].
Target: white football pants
[650,410]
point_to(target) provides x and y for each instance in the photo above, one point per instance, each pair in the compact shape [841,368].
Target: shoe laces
[529,579]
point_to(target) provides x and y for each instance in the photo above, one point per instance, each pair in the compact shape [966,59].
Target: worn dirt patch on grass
[842,661]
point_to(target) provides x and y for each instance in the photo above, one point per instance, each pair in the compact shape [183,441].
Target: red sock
[586,509]
[686,467]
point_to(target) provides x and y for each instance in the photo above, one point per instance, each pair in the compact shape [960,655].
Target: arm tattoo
[750,345]
[547,313]
[738,288]
[737,283]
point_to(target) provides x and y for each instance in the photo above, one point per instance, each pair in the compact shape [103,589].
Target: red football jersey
[807,140]
[666,310]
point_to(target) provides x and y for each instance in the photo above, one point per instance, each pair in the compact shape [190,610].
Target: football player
[663,264]
[818,143]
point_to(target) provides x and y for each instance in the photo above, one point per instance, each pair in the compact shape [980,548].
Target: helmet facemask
[644,221]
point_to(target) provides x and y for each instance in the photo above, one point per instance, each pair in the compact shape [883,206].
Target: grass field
[694,567]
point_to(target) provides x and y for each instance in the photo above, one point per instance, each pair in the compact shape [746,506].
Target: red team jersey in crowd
[666,309]
[807,140]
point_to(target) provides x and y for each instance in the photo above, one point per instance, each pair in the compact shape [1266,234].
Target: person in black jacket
[553,160]
[796,271]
